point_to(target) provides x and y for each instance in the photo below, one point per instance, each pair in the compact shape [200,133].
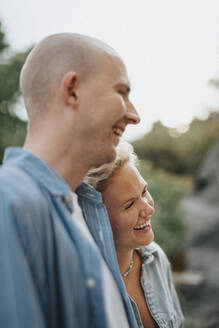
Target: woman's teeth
[142,226]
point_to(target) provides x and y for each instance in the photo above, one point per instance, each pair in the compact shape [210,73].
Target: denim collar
[47,176]
[89,192]
[147,252]
[38,169]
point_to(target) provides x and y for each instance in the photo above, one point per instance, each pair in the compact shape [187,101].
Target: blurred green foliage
[175,152]
[12,132]
[9,77]
[3,44]
[168,221]
[12,129]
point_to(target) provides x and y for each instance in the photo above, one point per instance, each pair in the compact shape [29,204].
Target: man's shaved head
[76,92]
[51,59]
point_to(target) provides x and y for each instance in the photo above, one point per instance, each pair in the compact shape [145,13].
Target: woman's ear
[69,89]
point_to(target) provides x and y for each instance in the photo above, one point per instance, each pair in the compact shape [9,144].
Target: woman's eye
[144,192]
[129,205]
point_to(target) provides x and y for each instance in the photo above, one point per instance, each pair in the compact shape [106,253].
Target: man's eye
[123,92]
[129,205]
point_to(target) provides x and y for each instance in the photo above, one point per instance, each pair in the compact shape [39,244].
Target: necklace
[125,274]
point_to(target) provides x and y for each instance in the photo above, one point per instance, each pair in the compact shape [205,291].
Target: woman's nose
[147,209]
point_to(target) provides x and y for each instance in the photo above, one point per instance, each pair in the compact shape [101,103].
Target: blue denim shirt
[49,275]
[159,290]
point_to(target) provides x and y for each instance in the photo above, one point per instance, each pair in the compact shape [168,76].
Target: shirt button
[101,235]
[90,282]
[68,199]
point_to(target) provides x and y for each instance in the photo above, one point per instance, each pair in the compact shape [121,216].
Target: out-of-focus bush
[12,129]
[179,153]
[168,221]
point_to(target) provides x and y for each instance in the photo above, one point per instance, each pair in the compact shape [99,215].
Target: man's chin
[108,157]
[112,156]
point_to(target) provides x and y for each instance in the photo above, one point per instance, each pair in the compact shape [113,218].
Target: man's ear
[69,85]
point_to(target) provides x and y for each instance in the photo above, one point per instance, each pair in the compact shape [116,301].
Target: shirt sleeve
[20,304]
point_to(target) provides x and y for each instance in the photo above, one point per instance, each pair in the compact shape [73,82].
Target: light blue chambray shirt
[158,287]
[49,275]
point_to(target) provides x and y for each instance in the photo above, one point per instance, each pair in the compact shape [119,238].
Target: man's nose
[132,116]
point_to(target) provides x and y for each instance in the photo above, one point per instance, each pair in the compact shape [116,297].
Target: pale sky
[170,47]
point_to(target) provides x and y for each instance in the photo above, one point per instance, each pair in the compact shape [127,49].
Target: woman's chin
[144,240]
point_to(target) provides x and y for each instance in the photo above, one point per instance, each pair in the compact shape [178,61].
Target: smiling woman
[130,207]
[143,265]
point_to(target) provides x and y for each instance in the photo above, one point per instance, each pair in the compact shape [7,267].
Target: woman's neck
[125,258]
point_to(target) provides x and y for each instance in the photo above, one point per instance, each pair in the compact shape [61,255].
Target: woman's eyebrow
[128,200]
[134,198]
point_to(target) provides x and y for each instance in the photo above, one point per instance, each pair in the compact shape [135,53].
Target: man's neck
[69,166]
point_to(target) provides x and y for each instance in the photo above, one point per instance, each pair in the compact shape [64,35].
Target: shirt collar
[38,169]
[88,191]
[147,252]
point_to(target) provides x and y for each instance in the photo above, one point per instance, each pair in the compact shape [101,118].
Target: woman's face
[130,207]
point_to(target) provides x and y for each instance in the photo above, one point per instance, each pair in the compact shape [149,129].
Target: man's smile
[118,131]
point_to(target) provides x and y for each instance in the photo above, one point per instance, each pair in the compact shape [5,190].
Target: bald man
[58,266]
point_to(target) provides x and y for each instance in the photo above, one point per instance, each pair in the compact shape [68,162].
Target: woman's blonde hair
[97,177]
